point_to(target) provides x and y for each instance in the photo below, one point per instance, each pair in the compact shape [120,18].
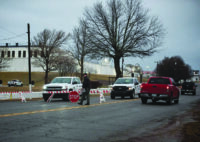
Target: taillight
[167,88]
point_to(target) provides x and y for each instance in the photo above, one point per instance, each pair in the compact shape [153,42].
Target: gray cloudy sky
[179,17]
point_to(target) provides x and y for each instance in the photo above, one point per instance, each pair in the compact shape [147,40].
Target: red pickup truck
[160,88]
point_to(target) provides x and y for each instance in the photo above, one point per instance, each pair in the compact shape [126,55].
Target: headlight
[64,87]
[44,87]
[130,88]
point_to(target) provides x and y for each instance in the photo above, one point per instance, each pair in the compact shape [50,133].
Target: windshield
[61,80]
[124,81]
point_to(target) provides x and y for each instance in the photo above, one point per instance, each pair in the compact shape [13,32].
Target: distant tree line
[174,67]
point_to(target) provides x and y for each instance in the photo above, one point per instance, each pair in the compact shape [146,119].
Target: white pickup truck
[61,86]
[127,86]
[15,83]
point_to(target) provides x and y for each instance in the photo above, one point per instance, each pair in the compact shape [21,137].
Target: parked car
[188,87]
[15,83]
[61,87]
[160,88]
[127,86]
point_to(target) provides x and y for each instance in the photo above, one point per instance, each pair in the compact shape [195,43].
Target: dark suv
[188,87]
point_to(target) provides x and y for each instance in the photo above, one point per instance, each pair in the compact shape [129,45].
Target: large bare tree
[81,44]
[122,28]
[49,43]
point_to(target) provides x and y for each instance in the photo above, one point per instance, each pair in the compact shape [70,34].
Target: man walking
[86,93]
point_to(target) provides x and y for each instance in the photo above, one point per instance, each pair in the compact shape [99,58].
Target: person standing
[86,87]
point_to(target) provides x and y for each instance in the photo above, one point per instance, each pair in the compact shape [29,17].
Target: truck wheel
[176,101]
[169,101]
[144,100]
[45,98]
[132,96]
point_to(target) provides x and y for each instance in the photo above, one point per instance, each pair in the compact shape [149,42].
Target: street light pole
[29,58]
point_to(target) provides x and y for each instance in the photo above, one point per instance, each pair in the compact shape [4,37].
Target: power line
[13,37]
[7,30]
[13,33]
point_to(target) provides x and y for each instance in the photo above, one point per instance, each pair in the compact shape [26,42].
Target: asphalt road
[114,120]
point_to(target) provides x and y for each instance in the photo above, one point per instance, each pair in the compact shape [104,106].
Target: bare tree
[122,28]
[81,44]
[66,64]
[49,43]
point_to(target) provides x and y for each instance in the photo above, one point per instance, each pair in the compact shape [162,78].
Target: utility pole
[29,58]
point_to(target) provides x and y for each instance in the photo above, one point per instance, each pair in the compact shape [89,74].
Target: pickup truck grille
[120,88]
[54,88]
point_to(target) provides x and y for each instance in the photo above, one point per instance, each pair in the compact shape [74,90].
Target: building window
[24,54]
[2,54]
[19,54]
[35,53]
[13,54]
[8,54]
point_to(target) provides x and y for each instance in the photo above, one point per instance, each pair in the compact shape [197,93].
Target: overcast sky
[180,19]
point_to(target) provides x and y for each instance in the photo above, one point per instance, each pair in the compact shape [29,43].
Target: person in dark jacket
[86,93]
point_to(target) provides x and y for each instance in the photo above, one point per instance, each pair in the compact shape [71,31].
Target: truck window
[124,81]
[159,81]
[61,80]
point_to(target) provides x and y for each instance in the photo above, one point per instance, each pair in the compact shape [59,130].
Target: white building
[18,62]
[196,75]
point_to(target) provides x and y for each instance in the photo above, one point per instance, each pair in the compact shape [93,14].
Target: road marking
[64,108]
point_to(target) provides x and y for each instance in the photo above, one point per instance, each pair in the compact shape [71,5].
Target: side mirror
[136,83]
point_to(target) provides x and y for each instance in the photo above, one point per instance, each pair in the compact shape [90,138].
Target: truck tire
[132,96]
[144,100]
[169,101]
[176,101]
[45,97]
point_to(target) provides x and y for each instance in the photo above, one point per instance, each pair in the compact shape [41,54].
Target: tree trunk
[82,67]
[46,74]
[117,67]
[46,77]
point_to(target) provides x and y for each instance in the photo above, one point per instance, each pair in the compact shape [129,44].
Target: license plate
[154,95]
